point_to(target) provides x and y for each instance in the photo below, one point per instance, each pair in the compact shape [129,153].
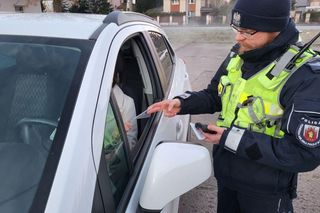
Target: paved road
[203,51]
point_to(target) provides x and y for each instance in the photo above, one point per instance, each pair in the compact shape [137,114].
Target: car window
[134,90]
[35,79]
[135,86]
[116,161]
[163,54]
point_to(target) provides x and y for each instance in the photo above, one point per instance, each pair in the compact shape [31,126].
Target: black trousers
[231,201]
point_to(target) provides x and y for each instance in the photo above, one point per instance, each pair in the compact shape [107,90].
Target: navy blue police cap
[261,15]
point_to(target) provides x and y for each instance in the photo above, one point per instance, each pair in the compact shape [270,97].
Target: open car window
[135,86]
[135,90]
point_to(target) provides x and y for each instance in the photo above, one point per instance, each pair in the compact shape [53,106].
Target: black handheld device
[204,128]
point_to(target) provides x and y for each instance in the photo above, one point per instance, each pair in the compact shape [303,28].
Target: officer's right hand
[169,107]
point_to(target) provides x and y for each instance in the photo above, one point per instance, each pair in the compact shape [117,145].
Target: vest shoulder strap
[284,60]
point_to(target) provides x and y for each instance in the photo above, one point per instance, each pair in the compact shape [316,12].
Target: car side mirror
[175,169]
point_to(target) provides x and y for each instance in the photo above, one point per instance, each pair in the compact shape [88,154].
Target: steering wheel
[30,135]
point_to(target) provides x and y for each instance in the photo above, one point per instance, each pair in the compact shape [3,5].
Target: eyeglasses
[244,32]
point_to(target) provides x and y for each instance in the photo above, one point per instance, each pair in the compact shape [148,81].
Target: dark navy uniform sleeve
[299,149]
[204,101]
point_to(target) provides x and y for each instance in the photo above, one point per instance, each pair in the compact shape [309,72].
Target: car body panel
[76,26]
[166,131]
[161,185]
[78,147]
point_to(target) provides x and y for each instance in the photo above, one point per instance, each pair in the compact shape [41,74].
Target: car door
[176,78]
[153,85]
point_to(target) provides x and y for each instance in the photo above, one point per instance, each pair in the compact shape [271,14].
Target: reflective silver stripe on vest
[282,63]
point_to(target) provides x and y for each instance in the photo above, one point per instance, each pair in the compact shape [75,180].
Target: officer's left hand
[214,138]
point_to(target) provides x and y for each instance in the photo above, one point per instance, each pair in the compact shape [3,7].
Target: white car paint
[60,25]
[70,197]
[164,182]
[75,179]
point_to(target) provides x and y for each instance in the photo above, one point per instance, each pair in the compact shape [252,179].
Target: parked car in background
[57,107]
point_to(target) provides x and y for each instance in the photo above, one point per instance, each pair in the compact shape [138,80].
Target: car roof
[61,25]
[64,25]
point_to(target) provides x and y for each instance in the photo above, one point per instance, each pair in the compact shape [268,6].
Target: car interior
[135,82]
[34,81]
[135,79]
[34,84]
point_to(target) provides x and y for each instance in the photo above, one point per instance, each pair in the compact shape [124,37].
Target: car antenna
[291,64]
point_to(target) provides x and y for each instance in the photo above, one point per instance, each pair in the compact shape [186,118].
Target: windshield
[35,79]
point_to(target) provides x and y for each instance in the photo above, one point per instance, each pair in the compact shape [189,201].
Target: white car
[57,105]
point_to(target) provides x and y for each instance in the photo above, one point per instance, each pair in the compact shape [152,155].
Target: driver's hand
[127,126]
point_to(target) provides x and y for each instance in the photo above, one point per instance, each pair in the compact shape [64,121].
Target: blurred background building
[20,5]
[170,12]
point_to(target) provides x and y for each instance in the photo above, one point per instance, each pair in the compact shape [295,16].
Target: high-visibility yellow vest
[254,103]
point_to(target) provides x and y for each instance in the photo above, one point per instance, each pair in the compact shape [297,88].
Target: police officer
[268,128]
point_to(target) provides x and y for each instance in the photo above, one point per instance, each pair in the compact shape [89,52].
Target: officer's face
[254,41]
